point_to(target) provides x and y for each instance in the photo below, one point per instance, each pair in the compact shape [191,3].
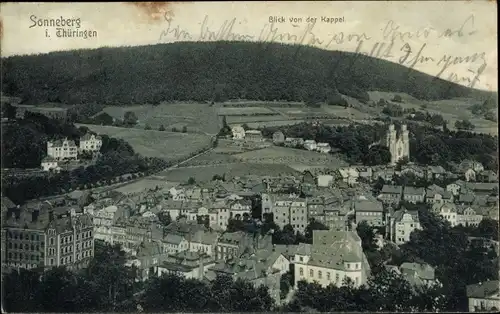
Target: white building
[90,142]
[238,132]
[447,211]
[49,163]
[402,223]
[333,257]
[323,148]
[324,180]
[62,149]
[310,144]
[398,144]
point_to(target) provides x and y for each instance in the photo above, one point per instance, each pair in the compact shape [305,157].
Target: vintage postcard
[280,156]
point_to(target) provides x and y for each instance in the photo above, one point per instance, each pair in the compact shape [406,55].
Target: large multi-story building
[286,210]
[332,258]
[62,149]
[398,144]
[47,237]
[90,142]
[401,225]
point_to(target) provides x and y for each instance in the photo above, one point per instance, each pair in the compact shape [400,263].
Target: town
[331,227]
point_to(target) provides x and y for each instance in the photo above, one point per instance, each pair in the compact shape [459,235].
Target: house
[323,148]
[310,144]
[62,149]
[50,163]
[324,180]
[186,264]
[238,132]
[435,172]
[413,170]
[261,267]
[401,225]
[349,175]
[413,195]
[487,176]
[308,178]
[436,194]
[228,245]
[331,259]
[148,256]
[294,142]
[365,173]
[470,175]
[286,210]
[470,164]
[385,174]
[367,209]
[456,187]
[391,194]
[278,138]
[203,242]
[174,243]
[44,237]
[418,275]
[447,211]
[253,135]
[467,216]
[484,296]
[90,142]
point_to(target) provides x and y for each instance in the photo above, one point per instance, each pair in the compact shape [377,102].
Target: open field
[290,156]
[245,111]
[249,119]
[151,143]
[145,184]
[196,117]
[257,125]
[206,173]
[211,158]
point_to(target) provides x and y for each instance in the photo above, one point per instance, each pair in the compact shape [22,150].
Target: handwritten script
[394,43]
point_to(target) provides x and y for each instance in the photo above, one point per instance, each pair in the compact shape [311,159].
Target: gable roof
[392,189]
[483,290]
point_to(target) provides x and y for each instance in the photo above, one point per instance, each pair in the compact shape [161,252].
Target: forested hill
[208,71]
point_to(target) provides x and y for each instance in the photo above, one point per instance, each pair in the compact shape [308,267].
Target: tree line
[212,71]
[428,145]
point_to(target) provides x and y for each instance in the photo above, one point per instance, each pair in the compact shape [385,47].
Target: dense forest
[428,145]
[212,71]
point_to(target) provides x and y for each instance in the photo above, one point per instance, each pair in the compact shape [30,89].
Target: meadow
[197,118]
[290,156]
[206,173]
[152,143]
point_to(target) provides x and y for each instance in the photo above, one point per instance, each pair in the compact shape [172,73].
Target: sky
[455,40]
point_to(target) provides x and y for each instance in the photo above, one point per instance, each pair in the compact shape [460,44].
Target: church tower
[398,144]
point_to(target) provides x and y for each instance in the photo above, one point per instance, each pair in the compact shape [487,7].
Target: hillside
[212,71]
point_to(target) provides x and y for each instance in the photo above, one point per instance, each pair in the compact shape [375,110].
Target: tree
[161,128]
[487,228]
[464,125]
[147,127]
[377,155]
[397,98]
[165,218]
[191,181]
[402,162]
[129,118]
[311,226]
[184,129]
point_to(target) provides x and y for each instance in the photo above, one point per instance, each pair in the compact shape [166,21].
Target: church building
[398,143]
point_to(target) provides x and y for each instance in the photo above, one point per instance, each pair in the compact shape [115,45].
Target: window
[51,241]
[336,277]
[319,274]
[328,276]
[357,265]
[301,259]
[311,273]
[348,266]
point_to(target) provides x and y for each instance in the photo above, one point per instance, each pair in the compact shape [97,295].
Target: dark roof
[7,203]
[483,290]
[392,189]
